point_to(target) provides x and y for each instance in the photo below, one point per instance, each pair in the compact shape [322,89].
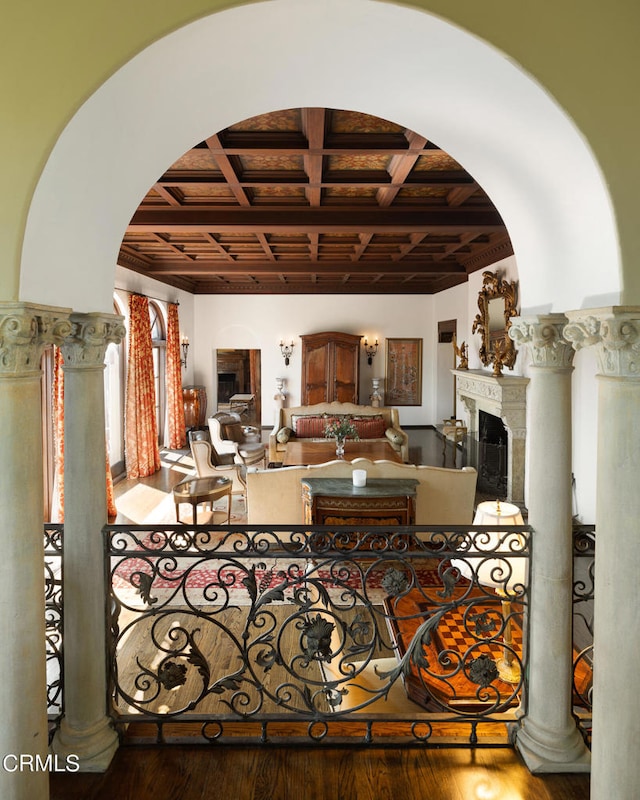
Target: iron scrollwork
[246,625]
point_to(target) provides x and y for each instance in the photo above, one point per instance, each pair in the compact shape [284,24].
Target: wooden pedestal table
[202,490]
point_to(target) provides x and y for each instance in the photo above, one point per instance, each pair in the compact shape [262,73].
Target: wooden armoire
[330,367]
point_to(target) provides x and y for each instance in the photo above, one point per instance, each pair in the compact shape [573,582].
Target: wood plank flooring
[191,773]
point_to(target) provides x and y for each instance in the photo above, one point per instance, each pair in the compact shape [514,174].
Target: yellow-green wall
[54,55]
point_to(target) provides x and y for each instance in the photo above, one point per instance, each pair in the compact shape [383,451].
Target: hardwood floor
[324,773]
[192,773]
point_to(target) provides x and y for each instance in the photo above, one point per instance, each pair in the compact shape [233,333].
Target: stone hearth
[504,397]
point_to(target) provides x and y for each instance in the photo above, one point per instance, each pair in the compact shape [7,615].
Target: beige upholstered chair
[230,437]
[207,464]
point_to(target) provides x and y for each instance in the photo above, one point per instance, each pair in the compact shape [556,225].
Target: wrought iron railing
[54,621]
[584,548]
[275,634]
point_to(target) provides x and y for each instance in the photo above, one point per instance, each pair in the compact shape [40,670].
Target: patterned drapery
[57,506]
[176,435]
[57,511]
[142,454]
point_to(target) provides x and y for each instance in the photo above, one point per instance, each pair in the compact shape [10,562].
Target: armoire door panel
[346,357]
[330,367]
[315,374]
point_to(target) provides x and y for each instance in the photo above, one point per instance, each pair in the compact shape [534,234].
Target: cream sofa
[288,426]
[444,496]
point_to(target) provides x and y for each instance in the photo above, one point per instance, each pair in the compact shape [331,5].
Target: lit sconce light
[287,352]
[370,350]
[184,343]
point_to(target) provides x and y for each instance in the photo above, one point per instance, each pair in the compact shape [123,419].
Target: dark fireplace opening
[493,444]
[227,386]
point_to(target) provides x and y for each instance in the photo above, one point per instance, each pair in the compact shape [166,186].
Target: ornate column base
[544,752]
[94,746]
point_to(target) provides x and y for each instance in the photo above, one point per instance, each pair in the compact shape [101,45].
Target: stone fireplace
[505,398]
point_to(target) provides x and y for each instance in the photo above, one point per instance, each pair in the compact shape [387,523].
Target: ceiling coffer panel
[310,200]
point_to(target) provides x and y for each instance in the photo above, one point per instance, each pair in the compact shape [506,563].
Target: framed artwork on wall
[403,372]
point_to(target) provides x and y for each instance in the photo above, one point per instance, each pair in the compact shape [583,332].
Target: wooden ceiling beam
[448,249]
[273,142]
[304,267]
[179,251]
[333,287]
[313,126]
[229,173]
[414,240]
[165,194]
[264,242]
[365,239]
[213,241]
[335,178]
[400,167]
[326,219]
[459,194]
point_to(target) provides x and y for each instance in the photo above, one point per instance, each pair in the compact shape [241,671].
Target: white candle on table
[359,477]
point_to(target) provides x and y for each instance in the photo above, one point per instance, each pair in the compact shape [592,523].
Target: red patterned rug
[242,580]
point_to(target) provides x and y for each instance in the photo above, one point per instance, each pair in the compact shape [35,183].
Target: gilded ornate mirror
[497,304]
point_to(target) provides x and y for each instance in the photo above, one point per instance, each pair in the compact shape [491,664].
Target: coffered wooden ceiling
[314,200]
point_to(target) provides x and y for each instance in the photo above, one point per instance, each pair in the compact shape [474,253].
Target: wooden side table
[202,490]
[336,501]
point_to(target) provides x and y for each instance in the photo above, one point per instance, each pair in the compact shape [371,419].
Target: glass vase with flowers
[340,429]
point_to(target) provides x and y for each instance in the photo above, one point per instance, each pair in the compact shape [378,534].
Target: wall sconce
[370,350]
[184,343]
[287,352]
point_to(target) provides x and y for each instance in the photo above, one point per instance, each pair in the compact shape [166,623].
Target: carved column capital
[544,337]
[615,332]
[90,335]
[25,330]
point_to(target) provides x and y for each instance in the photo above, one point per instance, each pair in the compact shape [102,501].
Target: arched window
[159,343]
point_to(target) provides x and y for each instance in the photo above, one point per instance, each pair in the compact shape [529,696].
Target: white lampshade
[501,573]
[495,512]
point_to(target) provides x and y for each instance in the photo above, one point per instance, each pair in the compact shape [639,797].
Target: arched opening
[565,259]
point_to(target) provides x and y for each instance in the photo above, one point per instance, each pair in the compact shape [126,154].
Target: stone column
[548,738]
[86,730]
[615,332]
[24,331]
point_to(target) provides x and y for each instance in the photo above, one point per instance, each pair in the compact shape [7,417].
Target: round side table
[202,490]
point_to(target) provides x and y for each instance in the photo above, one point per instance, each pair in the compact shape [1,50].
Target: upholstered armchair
[230,437]
[207,464]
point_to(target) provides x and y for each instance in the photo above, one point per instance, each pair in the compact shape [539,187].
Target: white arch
[435,78]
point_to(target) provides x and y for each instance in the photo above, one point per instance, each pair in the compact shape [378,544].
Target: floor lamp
[496,569]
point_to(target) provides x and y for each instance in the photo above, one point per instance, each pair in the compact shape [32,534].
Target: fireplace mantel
[504,397]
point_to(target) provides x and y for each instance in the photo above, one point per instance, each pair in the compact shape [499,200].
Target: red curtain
[142,454]
[177,435]
[57,506]
[57,511]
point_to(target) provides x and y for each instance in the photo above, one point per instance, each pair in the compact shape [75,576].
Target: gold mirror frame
[496,346]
